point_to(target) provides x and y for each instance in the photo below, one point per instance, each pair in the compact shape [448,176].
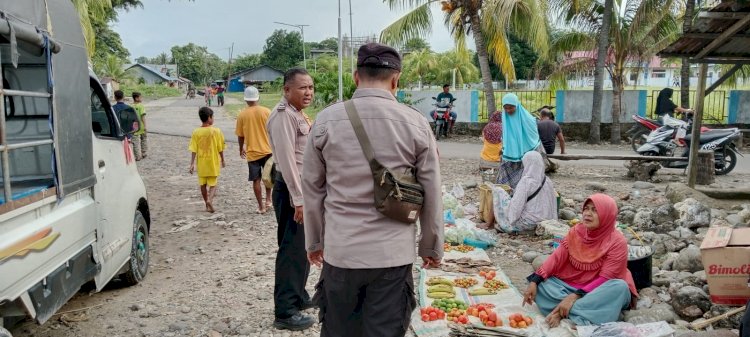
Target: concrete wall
[574,106]
[466,104]
[739,107]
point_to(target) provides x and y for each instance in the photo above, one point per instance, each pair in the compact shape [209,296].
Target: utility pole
[302,30]
[229,71]
[351,36]
[341,59]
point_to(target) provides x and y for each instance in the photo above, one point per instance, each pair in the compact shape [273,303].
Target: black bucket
[641,271]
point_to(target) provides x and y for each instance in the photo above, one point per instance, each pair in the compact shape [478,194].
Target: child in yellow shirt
[207,145]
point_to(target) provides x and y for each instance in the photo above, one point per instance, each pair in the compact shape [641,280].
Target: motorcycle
[643,126]
[662,142]
[442,116]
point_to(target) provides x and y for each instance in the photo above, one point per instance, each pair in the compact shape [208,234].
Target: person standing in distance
[288,128]
[254,145]
[366,286]
[549,130]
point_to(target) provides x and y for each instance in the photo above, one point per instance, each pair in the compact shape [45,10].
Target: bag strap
[537,190]
[364,141]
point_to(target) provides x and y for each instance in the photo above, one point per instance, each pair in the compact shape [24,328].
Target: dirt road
[212,274]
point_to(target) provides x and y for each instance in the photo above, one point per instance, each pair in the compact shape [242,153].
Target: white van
[73,207]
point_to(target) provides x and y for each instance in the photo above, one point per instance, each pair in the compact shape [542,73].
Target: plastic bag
[451,203]
[448,217]
[458,191]
[500,204]
[470,209]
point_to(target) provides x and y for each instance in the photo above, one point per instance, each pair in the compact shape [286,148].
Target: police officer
[288,127]
[366,286]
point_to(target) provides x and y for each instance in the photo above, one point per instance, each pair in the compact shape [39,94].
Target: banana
[481,291]
[440,288]
[441,294]
[439,280]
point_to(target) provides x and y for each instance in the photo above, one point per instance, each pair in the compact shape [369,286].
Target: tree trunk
[484,63]
[687,22]
[601,56]
[617,90]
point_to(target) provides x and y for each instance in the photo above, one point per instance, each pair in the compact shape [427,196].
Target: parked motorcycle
[643,126]
[661,142]
[442,116]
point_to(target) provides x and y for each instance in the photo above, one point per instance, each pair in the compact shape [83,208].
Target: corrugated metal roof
[707,28]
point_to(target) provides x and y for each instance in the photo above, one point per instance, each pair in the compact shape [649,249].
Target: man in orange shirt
[254,145]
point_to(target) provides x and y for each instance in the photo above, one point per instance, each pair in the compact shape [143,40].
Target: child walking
[140,139]
[207,145]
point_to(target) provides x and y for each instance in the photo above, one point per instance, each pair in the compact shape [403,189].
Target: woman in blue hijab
[520,135]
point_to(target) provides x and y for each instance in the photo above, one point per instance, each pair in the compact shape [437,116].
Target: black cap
[378,55]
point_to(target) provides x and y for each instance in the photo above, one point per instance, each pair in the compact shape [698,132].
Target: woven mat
[506,301]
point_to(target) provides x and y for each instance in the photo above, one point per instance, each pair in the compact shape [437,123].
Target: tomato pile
[485,314]
[495,285]
[464,248]
[447,247]
[520,321]
[488,275]
[465,282]
[431,314]
[458,316]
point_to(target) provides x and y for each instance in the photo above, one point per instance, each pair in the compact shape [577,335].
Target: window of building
[658,74]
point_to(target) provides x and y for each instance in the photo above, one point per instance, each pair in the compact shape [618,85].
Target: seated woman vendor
[492,136]
[586,279]
[533,199]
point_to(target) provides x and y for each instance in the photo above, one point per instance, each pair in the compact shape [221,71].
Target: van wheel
[5,333]
[139,252]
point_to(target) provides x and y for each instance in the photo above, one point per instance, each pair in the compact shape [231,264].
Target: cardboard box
[725,254]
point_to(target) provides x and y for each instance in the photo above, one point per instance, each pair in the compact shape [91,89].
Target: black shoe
[308,305]
[298,322]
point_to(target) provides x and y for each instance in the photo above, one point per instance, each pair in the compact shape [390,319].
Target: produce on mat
[465,282]
[482,291]
[464,248]
[495,285]
[488,275]
[448,304]
[431,314]
[441,294]
[439,280]
[520,321]
[440,288]
[447,247]
[485,314]
[455,314]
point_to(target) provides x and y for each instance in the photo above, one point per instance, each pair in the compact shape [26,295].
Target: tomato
[441,315]
[425,317]
[433,316]
[528,320]
[490,324]
[481,308]
[492,317]
[482,273]
[463,319]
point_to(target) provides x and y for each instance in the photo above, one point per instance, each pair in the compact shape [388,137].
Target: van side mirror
[129,121]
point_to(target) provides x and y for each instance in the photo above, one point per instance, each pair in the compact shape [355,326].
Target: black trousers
[292,267]
[365,302]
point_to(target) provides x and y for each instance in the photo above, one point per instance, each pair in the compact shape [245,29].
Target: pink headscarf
[493,131]
[586,254]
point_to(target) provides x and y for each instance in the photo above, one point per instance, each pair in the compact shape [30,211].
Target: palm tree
[639,29]
[687,23]
[458,62]
[113,67]
[420,65]
[601,55]
[88,11]
[487,21]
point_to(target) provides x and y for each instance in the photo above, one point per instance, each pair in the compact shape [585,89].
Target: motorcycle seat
[712,135]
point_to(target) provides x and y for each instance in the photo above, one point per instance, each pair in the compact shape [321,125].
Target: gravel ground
[215,278]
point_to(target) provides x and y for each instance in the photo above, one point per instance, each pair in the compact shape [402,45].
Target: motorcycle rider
[447,98]
[665,106]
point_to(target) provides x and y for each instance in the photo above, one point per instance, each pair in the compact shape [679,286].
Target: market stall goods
[465,282]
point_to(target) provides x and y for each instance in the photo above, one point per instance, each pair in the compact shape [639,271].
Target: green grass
[151,92]
[268,100]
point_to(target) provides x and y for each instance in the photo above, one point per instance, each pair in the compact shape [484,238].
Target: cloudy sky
[217,24]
